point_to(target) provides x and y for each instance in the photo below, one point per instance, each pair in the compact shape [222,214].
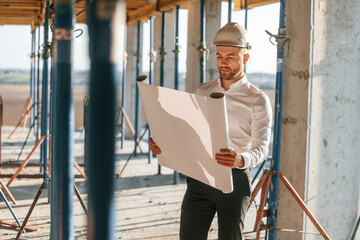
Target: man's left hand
[229,158]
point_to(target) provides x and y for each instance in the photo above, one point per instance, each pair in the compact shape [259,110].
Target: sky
[15,41]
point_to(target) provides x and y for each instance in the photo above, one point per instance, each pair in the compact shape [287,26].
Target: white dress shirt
[249,115]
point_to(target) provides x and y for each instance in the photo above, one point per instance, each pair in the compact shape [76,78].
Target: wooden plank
[303,206]
[150,10]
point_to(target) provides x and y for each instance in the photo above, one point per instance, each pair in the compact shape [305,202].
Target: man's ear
[246,58]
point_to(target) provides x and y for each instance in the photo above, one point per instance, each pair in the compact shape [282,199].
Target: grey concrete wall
[193,57]
[333,174]
[213,21]
[294,116]
[169,43]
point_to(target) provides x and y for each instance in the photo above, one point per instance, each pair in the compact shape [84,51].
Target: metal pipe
[273,196]
[101,147]
[229,10]
[246,14]
[38,88]
[123,86]
[52,134]
[45,95]
[1,124]
[151,68]
[31,79]
[63,175]
[202,42]
[176,52]
[10,208]
[162,49]
[162,59]
[136,88]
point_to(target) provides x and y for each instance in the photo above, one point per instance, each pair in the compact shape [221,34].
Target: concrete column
[213,21]
[333,172]
[294,116]
[320,131]
[131,36]
[169,61]
[212,24]
[193,56]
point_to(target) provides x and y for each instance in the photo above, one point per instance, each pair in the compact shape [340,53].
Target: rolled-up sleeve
[260,132]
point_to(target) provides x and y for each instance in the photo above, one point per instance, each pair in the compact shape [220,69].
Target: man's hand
[155,149]
[229,158]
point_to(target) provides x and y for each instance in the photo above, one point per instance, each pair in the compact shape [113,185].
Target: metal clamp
[176,50]
[278,38]
[203,50]
[153,55]
[137,54]
[47,47]
[162,53]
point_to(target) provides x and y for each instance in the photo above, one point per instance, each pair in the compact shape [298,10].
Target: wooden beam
[150,10]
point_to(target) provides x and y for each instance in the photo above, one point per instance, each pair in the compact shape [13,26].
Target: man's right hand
[155,149]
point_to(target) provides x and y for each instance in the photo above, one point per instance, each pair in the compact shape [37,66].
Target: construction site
[75,145]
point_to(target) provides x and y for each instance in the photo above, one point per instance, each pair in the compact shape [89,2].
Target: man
[249,118]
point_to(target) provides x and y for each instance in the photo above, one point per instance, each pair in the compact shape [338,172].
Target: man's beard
[226,76]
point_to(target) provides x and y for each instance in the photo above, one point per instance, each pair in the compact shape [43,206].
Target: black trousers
[201,202]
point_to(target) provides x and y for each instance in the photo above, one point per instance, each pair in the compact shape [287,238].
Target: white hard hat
[232,35]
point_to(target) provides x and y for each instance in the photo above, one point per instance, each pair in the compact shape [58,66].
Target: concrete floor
[147,205]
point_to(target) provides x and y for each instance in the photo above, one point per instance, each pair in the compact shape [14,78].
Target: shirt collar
[235,85]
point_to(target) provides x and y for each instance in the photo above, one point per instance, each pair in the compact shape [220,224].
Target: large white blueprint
[189,129]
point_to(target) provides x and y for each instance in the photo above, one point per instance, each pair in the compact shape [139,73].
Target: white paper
[189,129]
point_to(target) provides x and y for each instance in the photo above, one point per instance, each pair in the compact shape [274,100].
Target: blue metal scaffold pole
[162,49]
[136,88]
[37,102]
[31,78]
[162,54]
[246,15]
[176,72]
[229,10]
[273,195]
[123,86]
[151,68]
[45,95]
[102,120]
[202,42]
[63,176]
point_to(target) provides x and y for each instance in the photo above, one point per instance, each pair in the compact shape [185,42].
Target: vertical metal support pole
[45,95]
[1,124]
[202,42]
[37,104]
[273,198]
[229,10]
[101,147]
[123,86]
[176,52]
[31,78]
[162,58]
[52,134]
[136,88]
[151,68]
[162,49]
[63,122]
[246,14]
